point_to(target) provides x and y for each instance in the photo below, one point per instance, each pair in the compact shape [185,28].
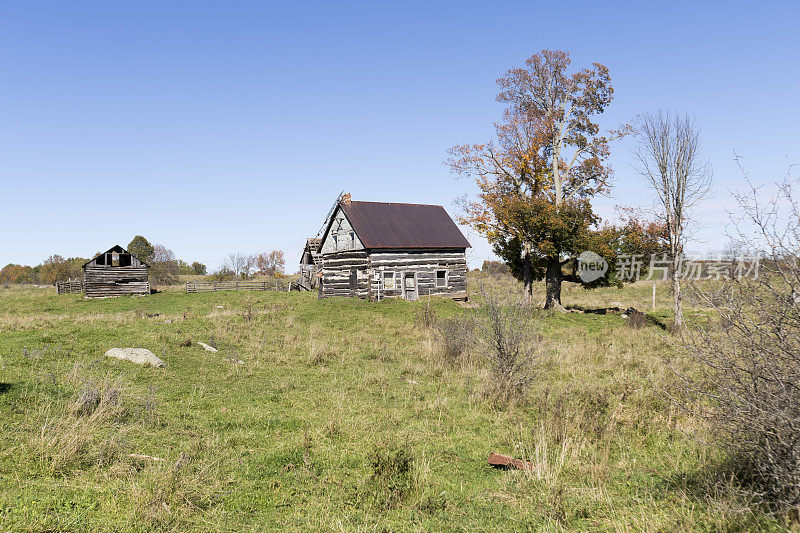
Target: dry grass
[85,432]
[550,450]
[166,494]
[95,430]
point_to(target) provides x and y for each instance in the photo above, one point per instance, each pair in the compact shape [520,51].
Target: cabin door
[410,286]
[354,282]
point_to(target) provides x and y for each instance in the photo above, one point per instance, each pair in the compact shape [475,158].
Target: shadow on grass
[726,482]
[4,387]
[656,321]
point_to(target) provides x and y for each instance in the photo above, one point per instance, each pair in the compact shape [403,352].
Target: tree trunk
[527,275]
[676,292]
[552,283]
[676,252]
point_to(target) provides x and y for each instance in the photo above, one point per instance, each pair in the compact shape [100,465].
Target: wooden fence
[214,286]
[69,287]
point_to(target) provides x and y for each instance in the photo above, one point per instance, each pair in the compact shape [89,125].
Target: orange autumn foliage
[548,159]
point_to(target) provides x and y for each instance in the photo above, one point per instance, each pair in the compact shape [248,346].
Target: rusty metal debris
[504,461]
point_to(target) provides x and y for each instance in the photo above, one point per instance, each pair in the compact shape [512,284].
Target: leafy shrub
[496,268]
[198,268]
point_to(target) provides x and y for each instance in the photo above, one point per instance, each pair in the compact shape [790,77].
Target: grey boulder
[140,356]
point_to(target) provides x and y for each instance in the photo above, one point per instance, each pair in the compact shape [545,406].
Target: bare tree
[232,263]
[240,264]
[504,332]
[164,267]
[746,358]
[669,159]
[245,264]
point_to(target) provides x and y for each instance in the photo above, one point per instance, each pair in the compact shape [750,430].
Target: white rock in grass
[207,347]
[140,356]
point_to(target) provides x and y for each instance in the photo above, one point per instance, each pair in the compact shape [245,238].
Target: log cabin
[115,272]
[376,250]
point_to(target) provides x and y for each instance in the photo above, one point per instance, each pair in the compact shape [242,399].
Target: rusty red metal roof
[392,225]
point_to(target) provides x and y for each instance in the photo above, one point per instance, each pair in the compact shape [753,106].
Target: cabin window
[335,243]
[388,281]
[398,282]
[115,259]
[441,278]
[351,240]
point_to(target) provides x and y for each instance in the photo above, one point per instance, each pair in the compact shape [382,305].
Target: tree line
[54,268]
[165,267]
[243,266]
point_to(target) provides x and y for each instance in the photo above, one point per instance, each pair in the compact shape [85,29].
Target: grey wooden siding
[102,281]
[424,264]
[337,272]
[341,228]
[337,269]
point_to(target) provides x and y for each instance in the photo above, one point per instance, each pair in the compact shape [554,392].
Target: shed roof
[396,226]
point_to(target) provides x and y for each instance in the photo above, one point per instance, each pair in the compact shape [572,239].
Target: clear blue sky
[215,127]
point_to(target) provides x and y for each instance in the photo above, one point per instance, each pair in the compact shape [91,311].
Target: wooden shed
[115,272]
[310,265]
[375,250]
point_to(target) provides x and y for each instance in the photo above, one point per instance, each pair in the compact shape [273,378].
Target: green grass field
[338,415]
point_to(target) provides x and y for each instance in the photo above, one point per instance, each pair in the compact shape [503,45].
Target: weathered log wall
[345,274]
[369,268]
[424,264]
[101,281]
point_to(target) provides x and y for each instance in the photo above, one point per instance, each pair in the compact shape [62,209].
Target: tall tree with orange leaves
[537,177]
